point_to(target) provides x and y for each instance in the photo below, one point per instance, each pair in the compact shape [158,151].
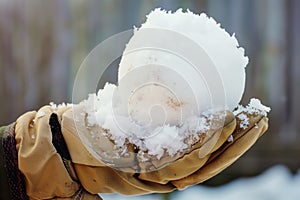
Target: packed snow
[163,91]
[276,183]
[156,141]
[205,39]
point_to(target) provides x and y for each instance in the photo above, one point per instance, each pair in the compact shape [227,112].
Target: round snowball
[194,47]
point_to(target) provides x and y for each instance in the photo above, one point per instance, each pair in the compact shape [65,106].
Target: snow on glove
[229,152]
[48,174]
[212,154]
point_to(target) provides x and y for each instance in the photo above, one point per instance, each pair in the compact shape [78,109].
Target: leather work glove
[58,159]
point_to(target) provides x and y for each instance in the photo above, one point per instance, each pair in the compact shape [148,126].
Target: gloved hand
[49,174]
[44,159]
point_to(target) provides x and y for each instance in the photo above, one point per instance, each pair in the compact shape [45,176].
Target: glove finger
[228,153]
[217,136]
[89,145]
[108,180]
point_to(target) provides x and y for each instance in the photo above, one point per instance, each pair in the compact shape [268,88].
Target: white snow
[156,141]
[244,120]
[211,59]
[258,107]
[276,183]
[40,114]
[230,138]
[254,107]
[59,106]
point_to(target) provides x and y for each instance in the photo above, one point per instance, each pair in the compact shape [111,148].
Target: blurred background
[43,43]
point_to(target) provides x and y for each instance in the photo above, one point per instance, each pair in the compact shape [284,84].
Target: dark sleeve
[12,184]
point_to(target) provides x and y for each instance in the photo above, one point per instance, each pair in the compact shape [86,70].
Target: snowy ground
[277,183]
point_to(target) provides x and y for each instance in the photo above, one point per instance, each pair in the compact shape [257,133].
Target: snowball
[176,72]
[207,62]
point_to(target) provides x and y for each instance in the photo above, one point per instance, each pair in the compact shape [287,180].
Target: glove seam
[236,135]
[61,146]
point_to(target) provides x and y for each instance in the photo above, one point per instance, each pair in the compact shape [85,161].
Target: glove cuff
[12,180]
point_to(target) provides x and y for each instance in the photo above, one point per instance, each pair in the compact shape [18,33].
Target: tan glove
[47,175]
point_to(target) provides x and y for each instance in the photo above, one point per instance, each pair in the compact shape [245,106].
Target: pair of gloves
[57,163]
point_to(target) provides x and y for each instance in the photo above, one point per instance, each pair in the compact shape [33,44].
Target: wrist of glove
[44,158]
[50,174]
